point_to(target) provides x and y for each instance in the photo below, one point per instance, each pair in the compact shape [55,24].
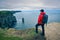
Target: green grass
[2,36]
[10,38]
[11,34]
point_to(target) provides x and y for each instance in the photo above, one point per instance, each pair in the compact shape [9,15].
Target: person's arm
[47,20]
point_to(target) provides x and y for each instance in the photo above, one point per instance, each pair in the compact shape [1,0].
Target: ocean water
[30,18]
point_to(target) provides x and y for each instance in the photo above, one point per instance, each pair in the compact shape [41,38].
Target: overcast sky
[29,4]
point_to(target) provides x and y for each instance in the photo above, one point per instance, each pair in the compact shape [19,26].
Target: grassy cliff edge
[52,33]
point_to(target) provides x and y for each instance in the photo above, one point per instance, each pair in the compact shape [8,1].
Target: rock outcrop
[7,19]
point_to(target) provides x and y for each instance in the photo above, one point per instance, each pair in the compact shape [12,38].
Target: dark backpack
[45,19]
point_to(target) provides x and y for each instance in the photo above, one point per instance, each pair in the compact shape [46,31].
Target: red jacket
[40,17]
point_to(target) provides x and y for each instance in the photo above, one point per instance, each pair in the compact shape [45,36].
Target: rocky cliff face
[7,19]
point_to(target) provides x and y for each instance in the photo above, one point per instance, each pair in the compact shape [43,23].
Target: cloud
[29,4]
[55,3]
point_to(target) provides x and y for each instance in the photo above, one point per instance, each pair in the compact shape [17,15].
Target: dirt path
[52,32]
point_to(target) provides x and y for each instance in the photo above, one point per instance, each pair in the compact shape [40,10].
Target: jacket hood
[42,13]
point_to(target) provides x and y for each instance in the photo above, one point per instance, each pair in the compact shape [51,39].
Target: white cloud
[29,4]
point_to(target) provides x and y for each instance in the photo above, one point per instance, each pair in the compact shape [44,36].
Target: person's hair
[42,10]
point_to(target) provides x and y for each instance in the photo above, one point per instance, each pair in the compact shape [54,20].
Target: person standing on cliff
[42,19]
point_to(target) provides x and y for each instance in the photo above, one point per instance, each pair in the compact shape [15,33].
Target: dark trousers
[42,25]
